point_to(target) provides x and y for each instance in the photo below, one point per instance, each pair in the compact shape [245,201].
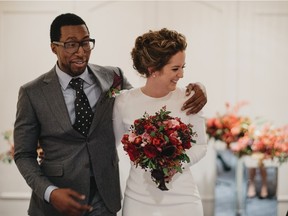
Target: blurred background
[237,49]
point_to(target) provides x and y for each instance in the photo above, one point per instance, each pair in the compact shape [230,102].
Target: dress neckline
[166,97]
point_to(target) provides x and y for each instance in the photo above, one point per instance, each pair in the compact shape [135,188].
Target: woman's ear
[151,72]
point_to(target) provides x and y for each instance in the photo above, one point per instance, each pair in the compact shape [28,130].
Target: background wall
[237,49]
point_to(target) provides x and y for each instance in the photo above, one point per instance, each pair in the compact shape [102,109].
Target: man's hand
[197,101]
[66,202]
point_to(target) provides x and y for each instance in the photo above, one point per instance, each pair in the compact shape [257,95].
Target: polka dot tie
[83,111]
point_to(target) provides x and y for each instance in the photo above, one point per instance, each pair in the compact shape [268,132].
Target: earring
[153,75]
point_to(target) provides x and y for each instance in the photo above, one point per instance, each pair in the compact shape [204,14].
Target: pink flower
[171,123]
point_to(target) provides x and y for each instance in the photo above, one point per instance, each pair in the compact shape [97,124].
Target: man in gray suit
[79,173]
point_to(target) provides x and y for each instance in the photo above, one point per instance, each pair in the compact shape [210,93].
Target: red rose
[149,128]
[150,151]
[157,141]
[132,152]
[125,139]
[186,144]
[174,140]
[169,131]
[138,140]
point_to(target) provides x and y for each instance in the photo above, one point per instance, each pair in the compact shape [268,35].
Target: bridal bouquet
[158,143]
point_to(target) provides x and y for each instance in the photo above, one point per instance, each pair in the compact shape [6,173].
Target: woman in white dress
[160,57]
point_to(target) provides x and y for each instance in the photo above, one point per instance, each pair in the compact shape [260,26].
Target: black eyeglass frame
[64,45]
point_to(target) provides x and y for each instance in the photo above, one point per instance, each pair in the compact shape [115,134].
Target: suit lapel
[54,96]
[104,77]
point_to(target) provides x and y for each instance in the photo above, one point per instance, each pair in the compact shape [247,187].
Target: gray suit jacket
[42,117]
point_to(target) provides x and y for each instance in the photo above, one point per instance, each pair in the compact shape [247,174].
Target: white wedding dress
[142,197]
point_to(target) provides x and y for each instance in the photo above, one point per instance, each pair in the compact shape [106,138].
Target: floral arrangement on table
[7,157]
[230,126]
[246,137]
[267,142]
[158,143]
[281,144]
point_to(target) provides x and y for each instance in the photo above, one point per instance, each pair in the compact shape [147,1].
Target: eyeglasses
[73,46]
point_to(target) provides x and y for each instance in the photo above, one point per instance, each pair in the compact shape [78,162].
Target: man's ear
[53,48]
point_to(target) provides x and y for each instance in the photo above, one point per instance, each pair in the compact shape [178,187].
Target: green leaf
[186,158]
[179,169]
[151,165]
[166,138]
[165,171]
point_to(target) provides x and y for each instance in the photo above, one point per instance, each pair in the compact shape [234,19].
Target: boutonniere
[114,90]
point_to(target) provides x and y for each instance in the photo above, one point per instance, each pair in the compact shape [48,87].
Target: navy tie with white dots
[83,111]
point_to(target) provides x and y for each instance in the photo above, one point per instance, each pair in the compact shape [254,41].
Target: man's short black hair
[66,19]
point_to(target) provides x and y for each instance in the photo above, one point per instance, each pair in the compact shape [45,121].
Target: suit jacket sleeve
[26,132]
[125,83]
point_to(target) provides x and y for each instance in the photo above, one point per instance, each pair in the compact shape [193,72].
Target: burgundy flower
[174,140]
[186,144]
[150,151]
[132,152]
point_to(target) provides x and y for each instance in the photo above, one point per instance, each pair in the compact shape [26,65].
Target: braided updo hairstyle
[155,48]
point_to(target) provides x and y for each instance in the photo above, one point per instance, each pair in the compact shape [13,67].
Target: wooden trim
[15,196]
[282,198]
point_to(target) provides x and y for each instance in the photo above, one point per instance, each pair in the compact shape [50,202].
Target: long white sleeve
[118,126]
[198,149]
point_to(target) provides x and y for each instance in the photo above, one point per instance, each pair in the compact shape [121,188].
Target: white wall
[237,49]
